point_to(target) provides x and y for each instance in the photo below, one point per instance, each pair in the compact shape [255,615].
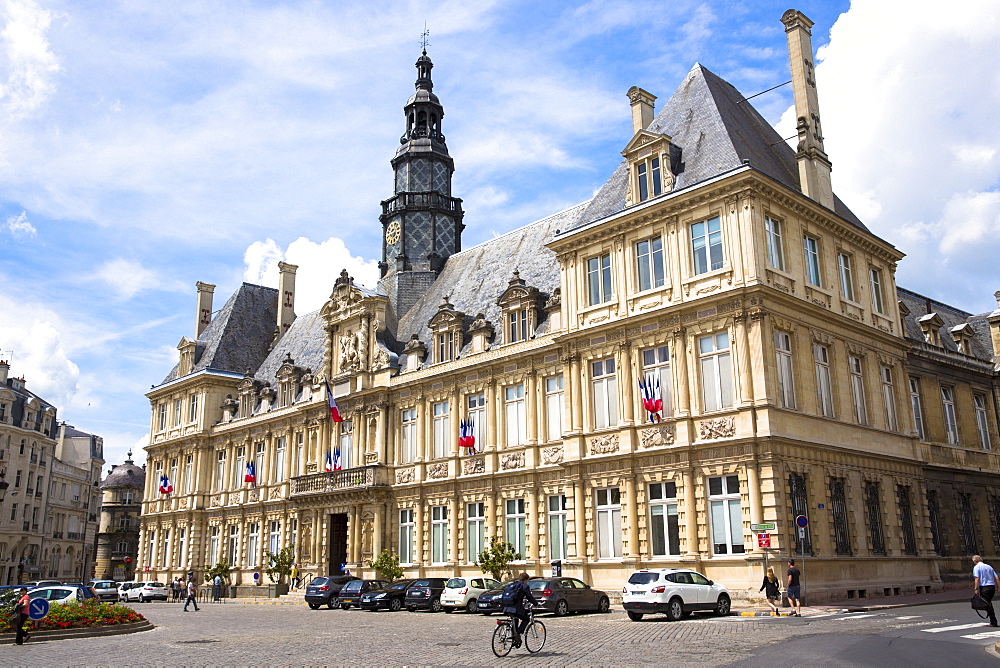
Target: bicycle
[533,636]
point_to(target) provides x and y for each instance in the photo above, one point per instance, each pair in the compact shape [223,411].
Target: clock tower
[421,222]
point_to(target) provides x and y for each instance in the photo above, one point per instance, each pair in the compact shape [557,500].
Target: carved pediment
[249,384]
[644,138]
[446,317]
[517,291]
[343,296]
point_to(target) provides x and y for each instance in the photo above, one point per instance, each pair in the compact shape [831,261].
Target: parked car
[107,590]
[41,583]
[390,597]
[146,591]
[324,590]
[425,594]
[464,593]
[63,593]
[352,591]
[122,588]
[675,592]
[563,595]
[489,601]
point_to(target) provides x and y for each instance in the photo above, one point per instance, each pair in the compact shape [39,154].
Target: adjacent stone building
[118,533]
[714,272]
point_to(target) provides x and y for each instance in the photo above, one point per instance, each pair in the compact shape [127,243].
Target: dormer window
[289,381]
[519,305]
[517,325]
[930,325]
[444,346]
[648,178]
[648,156]
[447,325]
[963,335]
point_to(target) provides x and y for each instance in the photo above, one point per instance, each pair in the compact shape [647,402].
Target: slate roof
[919,305]
[304,341]
[475,278]
[125,474]
[715,130]
[239,334]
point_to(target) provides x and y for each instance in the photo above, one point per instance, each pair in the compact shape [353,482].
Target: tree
[280,564]
[221,569]
[387,564]
[495,559]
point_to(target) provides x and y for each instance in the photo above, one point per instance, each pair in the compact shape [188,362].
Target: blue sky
[145,146]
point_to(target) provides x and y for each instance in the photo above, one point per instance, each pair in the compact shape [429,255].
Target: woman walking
[772,592]
[21,615]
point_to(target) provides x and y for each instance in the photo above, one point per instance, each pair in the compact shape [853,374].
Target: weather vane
[423,38]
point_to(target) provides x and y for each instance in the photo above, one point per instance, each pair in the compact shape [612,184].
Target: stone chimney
[4,370]
[994,320]
[204,314]
[814,166]
[642,108]
[286,297]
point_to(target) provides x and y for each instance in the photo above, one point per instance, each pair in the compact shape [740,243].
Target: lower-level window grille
[968,529]
[873,510]
[800,506]
[906,519]
[838,502]
[934,514]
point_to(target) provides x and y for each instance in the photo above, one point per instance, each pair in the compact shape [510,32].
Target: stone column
[533,515]
[580,520]
[756,498]
[575,382]
[531,406]
[632,508]
[454,524]
[690,514]
[679,362]
[456,418]
[492,408]
[381,446]
[378,528]
[354,547]
[623,354]
[359,443]
[419,532]
[743,350]
[289,453]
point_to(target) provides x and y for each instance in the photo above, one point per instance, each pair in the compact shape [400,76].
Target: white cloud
[319,265]
[20,227]
[27,73]
[127,278]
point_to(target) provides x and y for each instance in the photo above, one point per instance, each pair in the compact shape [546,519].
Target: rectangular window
[274,537]
[515,422]
[775,250]
[177,412]
[173,475]
[650,268]
[706,245]
[213,546]
[934,515]
[799,506]
[878,298]
[518,325]
[982,421]
[950,420]
[439,534]
[656,367]
[716,367]
[846,276]
[824,389]
[858,389]
[557,527]
[258,463]
[346,443]
[445,346]
[648,178]
[889,399]
[873,513]
[299,463]
[406,528]
[408,435]
[475,530]
[253,545]
[193,408]
[188,474]
[642,178]
[240,469]
[664,530]
[161,422]
[516,525]
[813,275]
[279,459]
[906,519]
[554,408]
[726,515]
[476,413]
[220,469]
[609,523]
[604,386]
[166,559]
[966,524]
[442,429]
[599,278]
[918,413]
[786,372]
[234,543]
[838,508]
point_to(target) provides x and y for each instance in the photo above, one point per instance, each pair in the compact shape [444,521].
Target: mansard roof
[304,341]
[919,306]
[238,337]
[474,279]
[714,129]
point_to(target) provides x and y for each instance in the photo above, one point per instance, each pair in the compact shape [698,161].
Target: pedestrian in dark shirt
[773,592]
[794,589]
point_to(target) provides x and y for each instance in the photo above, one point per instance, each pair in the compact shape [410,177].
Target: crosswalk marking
[960,627]
[908,617]
[871,614]
[984,635]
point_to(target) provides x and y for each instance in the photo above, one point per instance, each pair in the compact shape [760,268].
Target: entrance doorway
[338,543]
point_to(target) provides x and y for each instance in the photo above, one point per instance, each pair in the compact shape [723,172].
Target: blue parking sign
[38,608]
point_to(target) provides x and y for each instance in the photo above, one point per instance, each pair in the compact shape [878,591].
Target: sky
[145,146]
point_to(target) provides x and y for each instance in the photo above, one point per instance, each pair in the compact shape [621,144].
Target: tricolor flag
[467,436]
[336,460]
[652,403]
[251,475]
[334,411]
[165,486]
[329,461]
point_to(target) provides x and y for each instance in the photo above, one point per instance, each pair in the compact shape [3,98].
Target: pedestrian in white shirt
[986,584]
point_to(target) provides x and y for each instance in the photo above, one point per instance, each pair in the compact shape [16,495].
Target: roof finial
[424,43]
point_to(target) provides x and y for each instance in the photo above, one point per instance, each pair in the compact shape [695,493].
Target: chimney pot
[204,307]
[4,369]
[642,108]
[286,297]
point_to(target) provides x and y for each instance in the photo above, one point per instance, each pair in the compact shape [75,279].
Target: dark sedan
[324,590]
[562,596]
[352,591]
[489,601]
[425,594]
[390,597]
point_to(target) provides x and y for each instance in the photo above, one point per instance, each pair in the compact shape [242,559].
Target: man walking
[986,584]
[216,588]
[794,589]
[190,596]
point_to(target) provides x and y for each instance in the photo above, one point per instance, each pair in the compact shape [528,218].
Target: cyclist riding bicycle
[518,591]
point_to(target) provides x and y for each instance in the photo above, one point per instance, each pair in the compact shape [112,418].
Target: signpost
[38,608]
[765,527]
[802,522]
[763,540]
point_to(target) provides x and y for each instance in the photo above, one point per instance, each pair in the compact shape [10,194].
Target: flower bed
[83,615]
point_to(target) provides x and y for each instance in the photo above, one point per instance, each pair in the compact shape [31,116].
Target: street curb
[272,603]
[45,635]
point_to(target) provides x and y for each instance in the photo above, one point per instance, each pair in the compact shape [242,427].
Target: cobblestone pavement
[242,635]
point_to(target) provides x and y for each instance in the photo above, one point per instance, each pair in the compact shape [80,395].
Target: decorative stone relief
[512,460]
[474,465]
[719,428]
[601,445]
[311,467]
[367,533]
[371,458]
[437,471]
[216,500]
[305,543]
[381,359]
[404,476]
[275,493]
[183,503]
[553,455]
[662,434]
[349,358]
[254,495]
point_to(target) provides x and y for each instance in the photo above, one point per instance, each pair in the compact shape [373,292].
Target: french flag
[651,399]
[334,411]
[251,475]
[336,460]
[165,486]
[467,436]
[329,461]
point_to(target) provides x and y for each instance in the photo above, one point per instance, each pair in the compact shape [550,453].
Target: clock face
[392,233]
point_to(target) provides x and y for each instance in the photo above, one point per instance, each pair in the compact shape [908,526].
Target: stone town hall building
[795,377]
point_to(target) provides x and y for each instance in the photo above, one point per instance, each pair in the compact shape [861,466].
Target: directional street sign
[38,608]
[766,526]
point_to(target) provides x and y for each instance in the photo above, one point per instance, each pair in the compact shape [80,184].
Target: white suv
[464,592]
[146,591]
[676,592]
